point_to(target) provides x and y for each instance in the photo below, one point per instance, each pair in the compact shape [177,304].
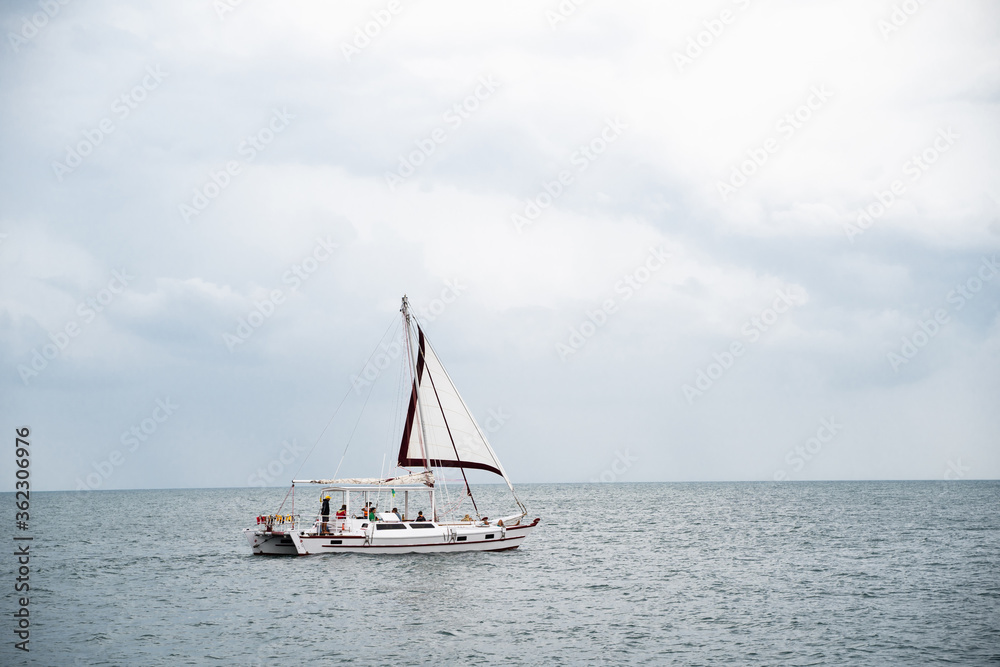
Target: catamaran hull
[442,540]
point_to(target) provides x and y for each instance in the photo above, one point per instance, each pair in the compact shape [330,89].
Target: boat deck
[354,535]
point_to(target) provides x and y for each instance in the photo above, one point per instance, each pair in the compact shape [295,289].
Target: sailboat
[439,432]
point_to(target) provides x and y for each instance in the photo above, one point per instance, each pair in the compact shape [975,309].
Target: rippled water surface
[864,573]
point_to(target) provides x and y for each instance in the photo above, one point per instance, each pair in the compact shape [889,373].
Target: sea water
[805,573]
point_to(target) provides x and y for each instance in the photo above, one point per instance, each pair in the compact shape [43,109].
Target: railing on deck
[284,523]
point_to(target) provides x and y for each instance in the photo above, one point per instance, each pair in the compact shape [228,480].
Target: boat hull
[439,539]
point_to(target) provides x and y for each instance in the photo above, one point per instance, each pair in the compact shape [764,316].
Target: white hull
[441,538]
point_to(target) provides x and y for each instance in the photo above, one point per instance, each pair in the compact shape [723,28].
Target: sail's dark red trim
[411,415]
[420,354]
[445,463]
[411,411]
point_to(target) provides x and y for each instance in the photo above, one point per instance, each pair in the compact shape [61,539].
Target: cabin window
[336,541]
[421,525]
[390,526]
[490,536]
[462,538]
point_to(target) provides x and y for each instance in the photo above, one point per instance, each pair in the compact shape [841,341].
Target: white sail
[453,438]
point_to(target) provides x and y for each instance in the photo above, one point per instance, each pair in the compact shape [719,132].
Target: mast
[405,309]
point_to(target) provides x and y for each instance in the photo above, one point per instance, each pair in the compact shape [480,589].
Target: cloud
[804,147]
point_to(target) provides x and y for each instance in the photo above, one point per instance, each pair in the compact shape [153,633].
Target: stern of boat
[270,543]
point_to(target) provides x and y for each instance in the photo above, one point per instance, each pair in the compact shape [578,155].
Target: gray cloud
[220,83]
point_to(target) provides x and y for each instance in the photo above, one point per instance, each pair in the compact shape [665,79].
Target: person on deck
[371,513]
[396,512]
[342,512]
[325,512]
[421,517]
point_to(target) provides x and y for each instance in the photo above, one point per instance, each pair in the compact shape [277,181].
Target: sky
[686,241]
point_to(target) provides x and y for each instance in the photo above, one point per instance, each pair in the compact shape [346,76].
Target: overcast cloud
[652,241]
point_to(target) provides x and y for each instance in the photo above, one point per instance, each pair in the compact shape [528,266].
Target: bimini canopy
[426,478]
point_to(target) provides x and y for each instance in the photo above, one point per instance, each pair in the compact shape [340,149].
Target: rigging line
[393,424]
[350,438]
[451,508]
[284,499]
[342,401]
[479,430]
[447,426]
[421,341]
[402,397]
[447,498]
[381,475]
